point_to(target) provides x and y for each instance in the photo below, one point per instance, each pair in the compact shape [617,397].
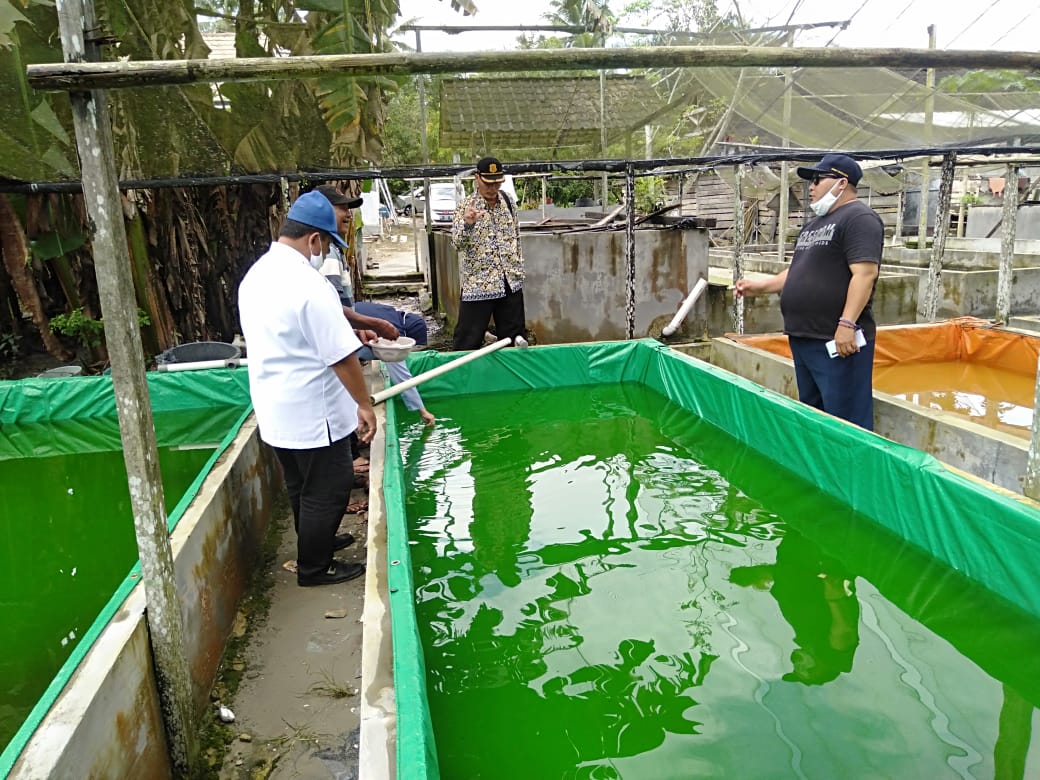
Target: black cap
[337,198]
[835,165]
[490,169]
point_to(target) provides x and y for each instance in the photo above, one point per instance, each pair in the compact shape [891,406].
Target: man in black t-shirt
[825,293]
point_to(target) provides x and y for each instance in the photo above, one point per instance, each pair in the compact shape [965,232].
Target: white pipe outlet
[201,364]
[677,320]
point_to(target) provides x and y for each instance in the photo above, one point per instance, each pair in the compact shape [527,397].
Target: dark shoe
[342,540]
[338,571]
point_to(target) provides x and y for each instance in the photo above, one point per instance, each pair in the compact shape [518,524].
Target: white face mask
[317,260]
[825,203]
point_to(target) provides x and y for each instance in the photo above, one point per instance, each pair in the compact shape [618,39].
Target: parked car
[442,202]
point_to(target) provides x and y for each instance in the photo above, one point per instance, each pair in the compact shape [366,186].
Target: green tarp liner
[40,417]
[43,417]
[990,537]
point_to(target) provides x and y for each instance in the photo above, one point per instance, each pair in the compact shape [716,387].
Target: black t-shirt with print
[818,280]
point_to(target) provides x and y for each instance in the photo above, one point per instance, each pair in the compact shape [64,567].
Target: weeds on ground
[329,686]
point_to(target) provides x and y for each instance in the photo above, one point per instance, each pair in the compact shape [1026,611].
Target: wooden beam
[71,76]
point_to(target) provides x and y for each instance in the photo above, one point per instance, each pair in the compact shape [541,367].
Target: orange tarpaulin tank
[964,339]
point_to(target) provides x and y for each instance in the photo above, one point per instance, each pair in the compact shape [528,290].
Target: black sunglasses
[821,176]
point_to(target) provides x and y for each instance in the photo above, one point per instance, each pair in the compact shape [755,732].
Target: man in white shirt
[306,384]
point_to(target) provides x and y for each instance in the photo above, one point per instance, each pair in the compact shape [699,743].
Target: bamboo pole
[70,76]
[942,229]
[123,337]
[1008,224]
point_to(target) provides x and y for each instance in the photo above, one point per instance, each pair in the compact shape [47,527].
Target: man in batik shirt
[486,233]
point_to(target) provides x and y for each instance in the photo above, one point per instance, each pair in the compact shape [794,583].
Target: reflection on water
[994,397]
[608,588]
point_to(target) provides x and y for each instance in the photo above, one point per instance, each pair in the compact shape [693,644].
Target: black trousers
[474,317]
[319,482]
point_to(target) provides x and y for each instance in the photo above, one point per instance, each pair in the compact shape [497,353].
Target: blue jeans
[839,386]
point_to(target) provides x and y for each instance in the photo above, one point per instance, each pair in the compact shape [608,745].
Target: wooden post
[942,229]
[897,234]
[630,251]
[603,134]
[929,103]
[785,186]
[1031,485]
[76,20]
[424,146]
[962,212]
[738,244]
[1008,223]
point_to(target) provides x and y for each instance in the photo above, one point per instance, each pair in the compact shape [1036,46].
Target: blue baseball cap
[835,165]
[314,210]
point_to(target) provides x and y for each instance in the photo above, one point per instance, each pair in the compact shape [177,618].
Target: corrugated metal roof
[530,113]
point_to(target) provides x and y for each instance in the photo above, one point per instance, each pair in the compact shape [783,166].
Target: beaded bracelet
[848,323]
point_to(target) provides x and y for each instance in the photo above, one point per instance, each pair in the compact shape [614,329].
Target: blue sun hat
[314,210]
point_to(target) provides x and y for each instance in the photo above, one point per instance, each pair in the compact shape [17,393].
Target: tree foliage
[189,246]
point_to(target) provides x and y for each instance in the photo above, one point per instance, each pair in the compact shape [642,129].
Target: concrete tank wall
[985,221]
[575,288]
[106,722]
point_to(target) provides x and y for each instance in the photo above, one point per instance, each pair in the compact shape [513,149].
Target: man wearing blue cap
[826,292]
[306,384]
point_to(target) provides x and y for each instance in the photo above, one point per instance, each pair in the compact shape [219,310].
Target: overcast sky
[991,24]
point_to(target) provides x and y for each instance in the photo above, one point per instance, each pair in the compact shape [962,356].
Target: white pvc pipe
[200,364]
[390,392]
[677,320]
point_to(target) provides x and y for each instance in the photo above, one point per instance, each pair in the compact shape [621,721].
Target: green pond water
[607,587]
[67,542]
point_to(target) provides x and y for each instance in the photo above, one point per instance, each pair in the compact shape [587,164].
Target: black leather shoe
[342,540]
[338,571]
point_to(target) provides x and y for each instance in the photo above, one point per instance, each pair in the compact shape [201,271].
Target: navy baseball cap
[337,198]
[314,210]
[835,165]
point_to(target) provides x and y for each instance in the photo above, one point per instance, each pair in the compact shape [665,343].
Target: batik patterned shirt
[490,257]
